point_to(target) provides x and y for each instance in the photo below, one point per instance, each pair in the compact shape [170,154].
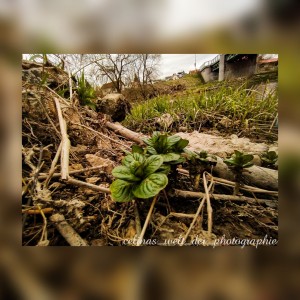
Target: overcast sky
[173,63]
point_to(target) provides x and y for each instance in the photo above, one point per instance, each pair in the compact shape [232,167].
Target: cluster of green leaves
[169,147]
[143,173]
[200,161]
[239,160]
[138,177]
[86,92]
[269,158]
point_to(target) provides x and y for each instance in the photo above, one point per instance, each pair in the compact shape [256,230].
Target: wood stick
[70,235]
[129,134]
[65,143]
[138,226]
[53,164]
[140,239]
[231,183]
[243,187]
[188,194]
[196,215]
[47,210]
[209,208]
[102,135]
[88,185]
[44,175]
[43,239]
[70,84]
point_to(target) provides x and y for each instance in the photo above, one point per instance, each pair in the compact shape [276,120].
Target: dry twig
[140,239]
[65,142]
[70,235]
[196,215]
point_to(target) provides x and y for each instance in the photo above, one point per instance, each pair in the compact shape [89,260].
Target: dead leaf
[97,161]
[74,167]
[92,180]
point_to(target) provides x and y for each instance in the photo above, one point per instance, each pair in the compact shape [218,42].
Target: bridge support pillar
[221,67]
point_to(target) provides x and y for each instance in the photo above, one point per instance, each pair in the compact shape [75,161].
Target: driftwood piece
[129,134]
[257,176]
[70,235]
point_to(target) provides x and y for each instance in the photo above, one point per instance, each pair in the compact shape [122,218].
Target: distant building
[175,76]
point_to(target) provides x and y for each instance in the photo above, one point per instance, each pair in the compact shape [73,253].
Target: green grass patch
[236,102]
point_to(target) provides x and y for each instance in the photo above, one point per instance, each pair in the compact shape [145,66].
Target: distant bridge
[214,63]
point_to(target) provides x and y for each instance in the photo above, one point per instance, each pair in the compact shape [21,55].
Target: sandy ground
[224,147]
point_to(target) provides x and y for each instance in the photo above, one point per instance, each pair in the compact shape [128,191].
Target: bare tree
[115,68]
[148,67]
[146,70]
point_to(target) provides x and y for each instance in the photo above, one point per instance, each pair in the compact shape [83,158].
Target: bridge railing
[209,62]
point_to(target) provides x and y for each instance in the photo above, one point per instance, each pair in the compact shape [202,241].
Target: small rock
[114,105]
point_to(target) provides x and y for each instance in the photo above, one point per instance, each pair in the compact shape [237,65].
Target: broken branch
[65,142]
[70,235]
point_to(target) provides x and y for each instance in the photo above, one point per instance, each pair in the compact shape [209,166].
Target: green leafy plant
[269,159]
[138,177]
[237,163]
[86,92]
[199,162]
[169,147]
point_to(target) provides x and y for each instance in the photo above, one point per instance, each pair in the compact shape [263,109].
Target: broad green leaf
[270,157]
[230,161]
[172,140]
[180,145]
[170,157]
[247,158]
[121,191]
[137,149]
[150,186]
[247,165]
[151,150]
[128,159]
[178,161]
[151,164]
[161,145]
[165,169]
[238,153]
[123,172]
[151,141]
[137,169]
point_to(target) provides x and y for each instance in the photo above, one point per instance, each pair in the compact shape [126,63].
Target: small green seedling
[269,159]
[86,93]
[138,177]
[199,163]
[237,163]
